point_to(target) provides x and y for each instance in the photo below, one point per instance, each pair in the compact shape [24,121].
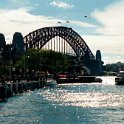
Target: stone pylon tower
[17,46]
[98,55]
[2,45]
[99,59]
[2,42]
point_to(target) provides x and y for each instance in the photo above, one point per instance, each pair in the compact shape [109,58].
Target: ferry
[119,79]
[70,78]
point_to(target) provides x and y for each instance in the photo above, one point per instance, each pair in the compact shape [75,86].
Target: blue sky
[102,29]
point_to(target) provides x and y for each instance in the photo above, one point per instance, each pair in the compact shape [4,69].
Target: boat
[119,79]
[77,79]
[50,82]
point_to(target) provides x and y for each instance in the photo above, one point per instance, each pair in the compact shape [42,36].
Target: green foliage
[4,71]
[114,67]
[3,68]
[45,60]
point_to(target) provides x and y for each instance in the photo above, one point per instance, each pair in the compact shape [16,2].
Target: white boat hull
[51,83]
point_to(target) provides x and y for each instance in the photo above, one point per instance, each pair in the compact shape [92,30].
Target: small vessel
[50,82]
[119,79]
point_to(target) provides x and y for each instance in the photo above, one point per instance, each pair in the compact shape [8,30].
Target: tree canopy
[114,67]
[43,60]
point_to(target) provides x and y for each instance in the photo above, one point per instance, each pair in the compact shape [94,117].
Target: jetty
[13,87]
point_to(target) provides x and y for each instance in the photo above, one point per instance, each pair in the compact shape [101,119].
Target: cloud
[20,1]
[111,30]
[83,24]
[111,47]
[113,59]
[28,5]
[36,5]
[111,19]
[108,44]
[21,20]
[60,4]
[15,1]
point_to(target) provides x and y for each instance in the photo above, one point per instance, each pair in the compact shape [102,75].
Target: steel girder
[38,38]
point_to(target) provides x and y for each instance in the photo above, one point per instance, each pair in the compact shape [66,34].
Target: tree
[45,60]
[114,67]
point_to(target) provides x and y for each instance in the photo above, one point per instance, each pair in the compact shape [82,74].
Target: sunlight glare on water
[96,103]
[85,99]
[109,80]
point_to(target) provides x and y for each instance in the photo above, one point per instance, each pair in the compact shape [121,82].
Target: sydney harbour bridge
[65,40]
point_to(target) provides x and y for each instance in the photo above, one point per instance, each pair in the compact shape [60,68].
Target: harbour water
[96,103]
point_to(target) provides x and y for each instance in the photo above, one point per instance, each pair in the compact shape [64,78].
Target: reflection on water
[68,104]
[89,99]
[110,80]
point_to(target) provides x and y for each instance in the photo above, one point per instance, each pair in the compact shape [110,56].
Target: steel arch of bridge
[38,38]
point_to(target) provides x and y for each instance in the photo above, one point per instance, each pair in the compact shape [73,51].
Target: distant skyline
[98,22]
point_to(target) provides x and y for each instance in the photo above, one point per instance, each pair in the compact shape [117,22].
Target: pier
[8,89]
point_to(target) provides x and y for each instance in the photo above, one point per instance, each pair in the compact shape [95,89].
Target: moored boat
[119,79]
[79,79]
[50,82]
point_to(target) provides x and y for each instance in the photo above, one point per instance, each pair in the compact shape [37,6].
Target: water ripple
[68,104]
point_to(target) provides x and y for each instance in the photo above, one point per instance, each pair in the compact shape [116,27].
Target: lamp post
[24,62]
[10,64]
[20,73]
[25,67]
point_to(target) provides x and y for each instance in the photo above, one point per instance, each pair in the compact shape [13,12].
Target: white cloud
[114,59]
[36,5]
[111,28]
[25,4]
[60,4]
[111,47]
[20,2]
[108,44]
[83,24]
[15,1]
[21,21]
[111,19]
